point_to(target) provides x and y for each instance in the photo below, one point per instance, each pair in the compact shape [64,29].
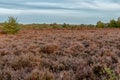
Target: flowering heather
[60,54]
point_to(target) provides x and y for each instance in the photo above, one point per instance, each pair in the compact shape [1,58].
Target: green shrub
[11,26]
[111,74]
[100,24]
[113,24]
[64,25]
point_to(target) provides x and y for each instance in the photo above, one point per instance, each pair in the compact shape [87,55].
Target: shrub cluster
[112,24]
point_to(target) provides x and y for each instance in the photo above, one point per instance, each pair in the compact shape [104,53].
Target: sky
[60,11]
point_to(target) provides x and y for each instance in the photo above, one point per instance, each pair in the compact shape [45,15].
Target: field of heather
[60,54]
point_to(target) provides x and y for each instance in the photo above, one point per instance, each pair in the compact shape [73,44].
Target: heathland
[60,54]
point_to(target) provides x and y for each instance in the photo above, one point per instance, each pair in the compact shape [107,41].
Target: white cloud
[42,4]
[100,5]
[76,10]
[80,4]
[96,5]
[6,11]
[107,6]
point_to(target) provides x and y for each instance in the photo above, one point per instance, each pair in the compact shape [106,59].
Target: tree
[113,23]
[118,22]
[100,24]
[118,19]
[11,26]
[64,25]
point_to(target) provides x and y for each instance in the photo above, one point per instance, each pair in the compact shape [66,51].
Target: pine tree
[11,26]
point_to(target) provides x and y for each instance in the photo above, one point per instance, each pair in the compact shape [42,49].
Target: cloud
[9,11]
[77,5]
[42,4]
[102,5]
[74,9]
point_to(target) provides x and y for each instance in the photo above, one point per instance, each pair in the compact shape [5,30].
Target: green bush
[113,24]
[64,25]
[11,26]
[110,73]
[100,24]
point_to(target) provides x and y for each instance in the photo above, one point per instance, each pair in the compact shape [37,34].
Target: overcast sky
[60,11]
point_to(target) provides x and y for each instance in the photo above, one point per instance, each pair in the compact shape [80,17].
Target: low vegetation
[60,51]
[60,54]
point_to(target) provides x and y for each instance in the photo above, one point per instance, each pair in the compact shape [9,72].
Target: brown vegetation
[60,54]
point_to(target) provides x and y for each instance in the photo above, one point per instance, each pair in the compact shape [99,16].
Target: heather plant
[40,75]
[50,48]
[60,54]
[11,26]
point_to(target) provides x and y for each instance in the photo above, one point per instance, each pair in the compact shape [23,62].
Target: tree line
[11,26]
[112,24]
